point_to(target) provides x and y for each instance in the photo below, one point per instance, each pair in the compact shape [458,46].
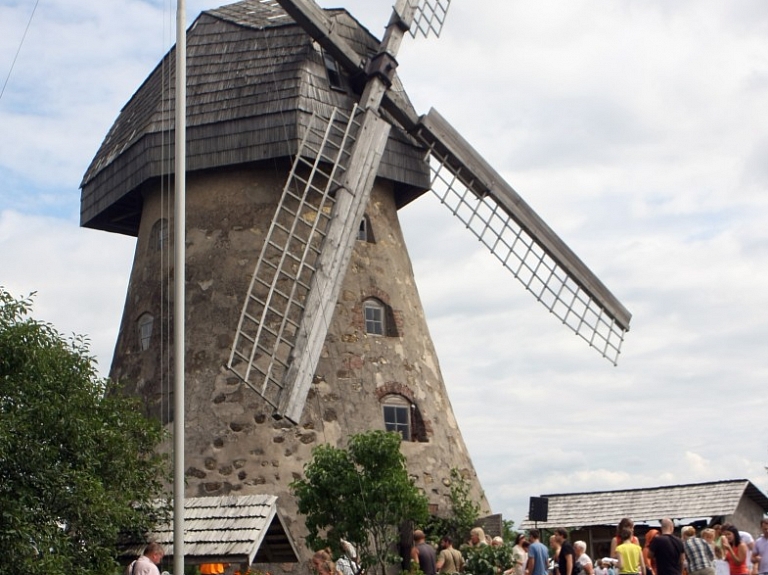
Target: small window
[159,236]
[362,231]
[145,331]
[333,71]
[397,415]
[374,317]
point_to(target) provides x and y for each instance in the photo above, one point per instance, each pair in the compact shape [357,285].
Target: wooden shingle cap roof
[254,76]
[230,529]
[648,504]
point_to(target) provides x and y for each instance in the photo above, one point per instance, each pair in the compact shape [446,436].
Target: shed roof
[254,77]
[648,504]
[231,529]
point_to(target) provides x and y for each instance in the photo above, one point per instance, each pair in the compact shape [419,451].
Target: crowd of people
[719,550]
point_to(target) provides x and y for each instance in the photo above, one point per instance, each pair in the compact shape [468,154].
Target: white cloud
[80,277]
[636,130]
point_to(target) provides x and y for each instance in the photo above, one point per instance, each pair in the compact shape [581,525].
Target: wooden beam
[321,28]
[313,20]
[351,201]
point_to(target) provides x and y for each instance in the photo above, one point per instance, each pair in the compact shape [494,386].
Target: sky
[637,130]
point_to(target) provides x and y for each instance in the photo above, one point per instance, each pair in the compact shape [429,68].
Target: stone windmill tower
[332,336]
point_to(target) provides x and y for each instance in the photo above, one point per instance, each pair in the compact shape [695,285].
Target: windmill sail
[298,277]
[351,201]
[429,17]
[489,206]
[285,271]
[521,240]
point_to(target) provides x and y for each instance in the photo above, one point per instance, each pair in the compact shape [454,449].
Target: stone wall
[232,443]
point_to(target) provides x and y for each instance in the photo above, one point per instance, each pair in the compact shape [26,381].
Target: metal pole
[180,219]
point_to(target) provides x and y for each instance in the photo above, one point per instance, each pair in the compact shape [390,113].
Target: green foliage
[487,559]
[78,466]
[362,494]
[463,515]
[465,510]
[508,533]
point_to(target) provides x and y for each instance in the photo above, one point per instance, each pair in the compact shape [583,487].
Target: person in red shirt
[625,523]
[734,551]
[650,566]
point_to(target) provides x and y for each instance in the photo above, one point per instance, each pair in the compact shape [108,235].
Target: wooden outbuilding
[592,517]
[238,530]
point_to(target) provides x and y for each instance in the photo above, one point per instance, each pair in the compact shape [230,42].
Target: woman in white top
[519,556]
[582,558]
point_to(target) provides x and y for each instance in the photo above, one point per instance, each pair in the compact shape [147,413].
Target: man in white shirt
[760,552]
[147,563]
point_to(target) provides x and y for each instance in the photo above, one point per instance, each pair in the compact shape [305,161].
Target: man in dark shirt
[667,550]
[566,558]
[423,553]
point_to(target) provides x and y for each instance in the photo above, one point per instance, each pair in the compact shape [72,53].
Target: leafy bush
[487,559]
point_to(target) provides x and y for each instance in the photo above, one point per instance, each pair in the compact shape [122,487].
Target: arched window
[145,330]
[158,239]
[375,317]
[364,232]
[397,415]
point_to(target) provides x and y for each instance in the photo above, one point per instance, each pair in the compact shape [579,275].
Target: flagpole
[180,170]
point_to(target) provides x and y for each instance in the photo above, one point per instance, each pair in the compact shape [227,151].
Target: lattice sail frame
[274,306]
[526,259]
[429,16]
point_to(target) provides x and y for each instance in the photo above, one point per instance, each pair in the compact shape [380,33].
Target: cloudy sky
[637,130]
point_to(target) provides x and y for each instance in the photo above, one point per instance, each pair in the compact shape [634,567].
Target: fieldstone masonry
[233,445]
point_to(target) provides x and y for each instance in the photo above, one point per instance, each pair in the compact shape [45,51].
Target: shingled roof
[230,529]
[254,78]
[718,498]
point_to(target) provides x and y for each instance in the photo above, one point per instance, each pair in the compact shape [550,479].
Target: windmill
[299,274]
[329,329]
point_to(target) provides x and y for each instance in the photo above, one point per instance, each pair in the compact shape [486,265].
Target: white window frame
[144,325]
[396,411]
[375,325]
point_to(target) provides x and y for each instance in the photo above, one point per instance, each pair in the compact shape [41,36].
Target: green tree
[362,494]
[78,467]
[465,510]
[463,515]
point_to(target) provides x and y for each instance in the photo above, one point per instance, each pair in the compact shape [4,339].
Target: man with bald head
[667,550]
